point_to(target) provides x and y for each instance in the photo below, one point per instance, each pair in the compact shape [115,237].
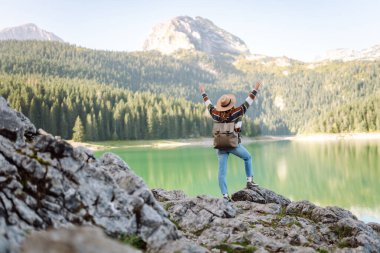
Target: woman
[225,112]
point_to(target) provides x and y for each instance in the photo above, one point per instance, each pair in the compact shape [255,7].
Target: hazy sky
[300,29]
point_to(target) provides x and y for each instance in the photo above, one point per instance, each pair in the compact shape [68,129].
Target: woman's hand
[258,85]
[202,88]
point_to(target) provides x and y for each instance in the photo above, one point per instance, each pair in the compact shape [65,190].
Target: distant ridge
[27,32]
[345,54]
[198,33]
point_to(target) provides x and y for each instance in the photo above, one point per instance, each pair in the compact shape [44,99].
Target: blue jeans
[223,154]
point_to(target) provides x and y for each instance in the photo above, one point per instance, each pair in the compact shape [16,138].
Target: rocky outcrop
[262,221]
[259,195]
[46,183]
[73,240]
[194,34]
[14,125]
[194,214]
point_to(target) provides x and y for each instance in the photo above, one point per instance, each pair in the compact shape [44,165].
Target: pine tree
[35,112]
[78,130]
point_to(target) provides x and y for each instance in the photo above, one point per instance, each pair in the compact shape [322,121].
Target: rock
[195,214]
[300,208]
[274,225]
[40,131]
[330,214]
[73,240]
[193,34]
[260,195]
[184,246]
[258,208]
[14,125]
[163,195]
[354,233]
[375,226]
[46,183]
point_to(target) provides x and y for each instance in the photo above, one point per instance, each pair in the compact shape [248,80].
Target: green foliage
[100,112]
[360,116]
[134,240]
[174,222]
[344,244]
[321,250]
[282,212]
[136,71]
[342,231]
[297,223]
[296,97]
[78,130]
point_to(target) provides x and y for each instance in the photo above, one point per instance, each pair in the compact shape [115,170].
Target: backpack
[225,136]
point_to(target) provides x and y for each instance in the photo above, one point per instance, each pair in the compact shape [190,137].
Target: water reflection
[342,173]
[282,169]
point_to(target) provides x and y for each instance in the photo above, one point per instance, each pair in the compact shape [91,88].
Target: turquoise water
[342,173]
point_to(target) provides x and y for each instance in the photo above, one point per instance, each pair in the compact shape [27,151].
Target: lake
[344,173]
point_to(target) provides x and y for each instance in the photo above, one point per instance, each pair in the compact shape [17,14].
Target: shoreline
[338,136]
[175,143]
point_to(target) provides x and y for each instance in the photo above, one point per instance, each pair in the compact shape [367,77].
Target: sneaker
[227,198]
[251,185]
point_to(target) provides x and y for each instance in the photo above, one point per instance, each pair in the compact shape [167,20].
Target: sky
[299,29]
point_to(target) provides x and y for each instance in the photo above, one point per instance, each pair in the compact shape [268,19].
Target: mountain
[344,54]
[193,34]
[27,32]
[294,93]
[280,61]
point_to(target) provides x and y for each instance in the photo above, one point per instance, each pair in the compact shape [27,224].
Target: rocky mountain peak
[197,33]
[28,31]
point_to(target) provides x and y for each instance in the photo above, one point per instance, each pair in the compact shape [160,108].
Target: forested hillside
[136,71]
[360,115]
[294,97]
[299,93]
[103,112]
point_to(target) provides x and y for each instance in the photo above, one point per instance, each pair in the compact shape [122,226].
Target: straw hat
[226,102]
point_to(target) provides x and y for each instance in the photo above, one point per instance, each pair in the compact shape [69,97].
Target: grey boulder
[73,240]
[47,183]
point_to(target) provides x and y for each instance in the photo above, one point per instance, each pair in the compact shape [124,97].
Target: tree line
[297,95]
[294,94]
[91,111]
[133,70]
[360,116]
